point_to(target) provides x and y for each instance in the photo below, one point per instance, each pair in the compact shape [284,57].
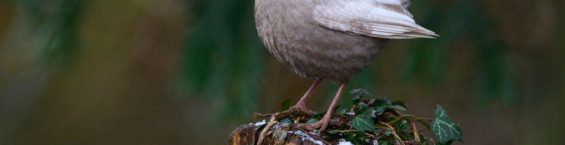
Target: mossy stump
[249,134]
[367,121]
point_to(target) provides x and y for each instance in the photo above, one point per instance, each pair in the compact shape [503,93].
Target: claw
[296,110]
[301,110]
[320,126]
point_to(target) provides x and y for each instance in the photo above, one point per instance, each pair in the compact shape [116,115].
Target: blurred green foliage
[222,57]
[58,25]
[464,20]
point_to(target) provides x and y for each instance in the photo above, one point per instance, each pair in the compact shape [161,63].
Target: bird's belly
[327,55]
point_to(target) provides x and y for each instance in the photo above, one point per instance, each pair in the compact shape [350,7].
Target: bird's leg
[300,107]
[323,123]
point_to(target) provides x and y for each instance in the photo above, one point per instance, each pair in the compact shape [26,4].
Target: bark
[250,134]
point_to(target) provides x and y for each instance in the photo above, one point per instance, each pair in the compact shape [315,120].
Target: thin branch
[398,139]
[415,132]
[263,133]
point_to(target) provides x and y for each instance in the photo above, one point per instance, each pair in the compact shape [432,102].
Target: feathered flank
[388,19]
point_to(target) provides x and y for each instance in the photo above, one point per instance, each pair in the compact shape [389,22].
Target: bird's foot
[296,110]
[301,110]
[320,126]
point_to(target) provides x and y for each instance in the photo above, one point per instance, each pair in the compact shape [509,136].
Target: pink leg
[323,123]
[326,119]
[300,106]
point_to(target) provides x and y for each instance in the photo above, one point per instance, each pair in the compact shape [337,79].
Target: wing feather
[375,18]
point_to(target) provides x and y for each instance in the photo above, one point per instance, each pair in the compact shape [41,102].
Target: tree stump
[250,134]
[369,121]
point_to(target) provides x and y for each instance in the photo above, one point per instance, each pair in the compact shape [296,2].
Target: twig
[284,114]
[411,117]
[345,131]
[263,133]
[416,118]
[370,135]
[398,113]
[415,131]
[398,139]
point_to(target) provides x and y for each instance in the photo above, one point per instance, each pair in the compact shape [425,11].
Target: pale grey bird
[331,39]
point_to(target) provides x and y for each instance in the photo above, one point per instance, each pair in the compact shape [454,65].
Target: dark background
[114,72]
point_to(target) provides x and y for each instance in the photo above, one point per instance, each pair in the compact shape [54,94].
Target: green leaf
[363,123]
[444,128]
[401,125]
[382,102]
[387,132]
[340,110]
[358,95]
[397,107]
[362,109]
[377,112]
[285,105]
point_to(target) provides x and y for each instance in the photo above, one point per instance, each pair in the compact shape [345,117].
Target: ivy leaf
[340,110]
[363,123]
[400,103]
[382,102]
[387,132]
[402,125]
[444,128]
[285,105]
[358,94]
[377,111]
[397,107]
[362,109]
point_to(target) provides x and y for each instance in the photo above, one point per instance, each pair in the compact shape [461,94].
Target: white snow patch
[306,137]
[344,142]
[375,142]
[260,123]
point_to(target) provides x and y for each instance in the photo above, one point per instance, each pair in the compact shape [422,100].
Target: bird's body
[332,39]
[290,33]
[295,33]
